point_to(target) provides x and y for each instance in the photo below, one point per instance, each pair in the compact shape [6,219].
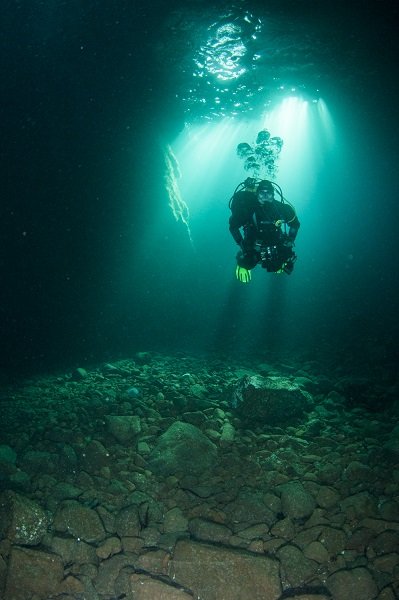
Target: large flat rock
[218,573]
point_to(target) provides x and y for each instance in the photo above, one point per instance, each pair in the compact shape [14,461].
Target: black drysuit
[263,231]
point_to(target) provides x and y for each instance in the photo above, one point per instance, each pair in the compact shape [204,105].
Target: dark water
[94,265]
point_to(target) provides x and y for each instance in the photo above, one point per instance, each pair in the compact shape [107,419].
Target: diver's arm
[234,227]
[293,227]
[292,222]
[242,206]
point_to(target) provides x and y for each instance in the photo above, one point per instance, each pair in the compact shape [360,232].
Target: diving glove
[243,275]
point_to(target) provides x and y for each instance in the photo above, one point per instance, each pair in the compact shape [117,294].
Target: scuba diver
[269,227]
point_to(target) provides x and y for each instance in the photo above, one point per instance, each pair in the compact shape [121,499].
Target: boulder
[391,446]
[32,573]
[208,531]
[108,572]
[73,551]
[296,502]
[127,522]
[143,587]
[94,457]
[261,401]
[296,568]
[37,462]
[228,434]
[183,448]
[7,460]
[175,521]
[79,521]
[352,584]
[218,573]
[125,429]
[22,520]
[249,508]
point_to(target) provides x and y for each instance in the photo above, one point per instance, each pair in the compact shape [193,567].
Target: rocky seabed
[177,477]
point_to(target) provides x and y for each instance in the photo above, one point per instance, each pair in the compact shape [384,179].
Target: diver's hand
[243,275]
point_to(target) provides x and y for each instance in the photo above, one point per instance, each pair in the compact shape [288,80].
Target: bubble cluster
[260,158]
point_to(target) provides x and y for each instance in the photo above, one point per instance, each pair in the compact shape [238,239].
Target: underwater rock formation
[183,448]
[269,401]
